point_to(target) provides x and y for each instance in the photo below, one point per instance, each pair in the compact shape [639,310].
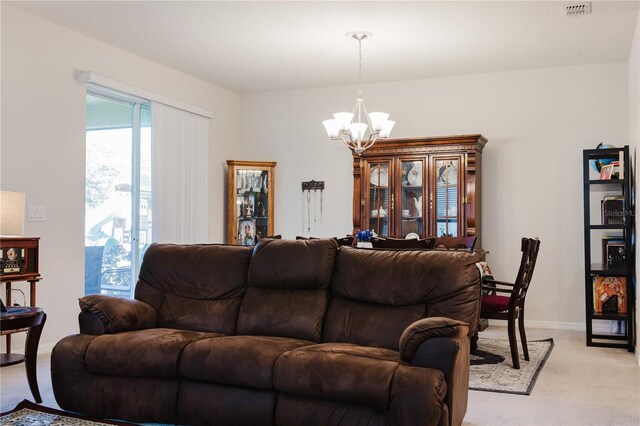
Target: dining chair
[456,243]
[402,243]
[511,306]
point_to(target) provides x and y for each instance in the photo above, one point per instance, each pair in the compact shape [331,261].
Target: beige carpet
[577,386]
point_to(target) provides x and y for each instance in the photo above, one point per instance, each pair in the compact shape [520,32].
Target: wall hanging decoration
[313,194]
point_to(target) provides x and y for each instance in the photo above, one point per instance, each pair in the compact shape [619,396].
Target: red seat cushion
[492,304]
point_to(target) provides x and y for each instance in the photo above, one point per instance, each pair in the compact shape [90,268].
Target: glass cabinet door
[412,199]
[446,196]
[250,202]
[378,208]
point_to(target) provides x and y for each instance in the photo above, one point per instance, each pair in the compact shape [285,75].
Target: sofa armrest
[108,314]
[443,344]
[427,328]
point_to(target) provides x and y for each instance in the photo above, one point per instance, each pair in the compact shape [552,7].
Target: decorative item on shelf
[379,177]
[342,127]
[612,210]
[312,203]
[606,287]
[597,164]
[606,171]
[610,240]
[363,238]
[616,255]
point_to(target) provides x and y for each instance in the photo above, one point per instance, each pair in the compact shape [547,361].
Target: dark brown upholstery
[196,287]
[287,298]
[288,333]
[236,360]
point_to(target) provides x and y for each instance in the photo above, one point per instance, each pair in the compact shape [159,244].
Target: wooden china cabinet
[250,199]
[420,186]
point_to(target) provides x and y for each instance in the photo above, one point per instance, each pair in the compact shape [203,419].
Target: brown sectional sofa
[287,333]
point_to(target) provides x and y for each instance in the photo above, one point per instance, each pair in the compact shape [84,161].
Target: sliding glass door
[118,217]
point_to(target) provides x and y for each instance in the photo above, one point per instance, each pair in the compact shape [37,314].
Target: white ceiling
[265,45]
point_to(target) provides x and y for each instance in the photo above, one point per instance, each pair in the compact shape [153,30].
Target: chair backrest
[530,247]
[342,241]
[345,241]
[456,243]
[402,243]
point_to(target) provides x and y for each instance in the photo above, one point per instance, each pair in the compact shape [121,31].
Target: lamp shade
[332,127]
[377,120]
[358,130]
[387,125]
[11,213]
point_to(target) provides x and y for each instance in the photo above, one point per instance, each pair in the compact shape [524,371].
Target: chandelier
[342,126]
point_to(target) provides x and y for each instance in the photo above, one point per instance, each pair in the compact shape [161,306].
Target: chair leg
[513,343]
[474,344]
[523,335]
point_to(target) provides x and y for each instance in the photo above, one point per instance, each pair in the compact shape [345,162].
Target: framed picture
[614,288]
[246,232]
[606,172]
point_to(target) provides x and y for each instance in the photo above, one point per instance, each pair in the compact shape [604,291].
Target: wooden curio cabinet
[422,186]
[250,201]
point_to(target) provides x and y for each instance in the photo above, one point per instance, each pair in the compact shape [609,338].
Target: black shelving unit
[595,190]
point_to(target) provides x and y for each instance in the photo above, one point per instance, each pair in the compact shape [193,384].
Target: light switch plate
[36,214]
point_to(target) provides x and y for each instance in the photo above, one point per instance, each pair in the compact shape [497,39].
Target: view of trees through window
[118,177]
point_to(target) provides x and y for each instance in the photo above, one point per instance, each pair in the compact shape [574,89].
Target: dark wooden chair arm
[494,289]
[492,281]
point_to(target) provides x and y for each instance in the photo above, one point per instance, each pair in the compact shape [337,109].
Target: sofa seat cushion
[236,360]
[338,371]
[153,352]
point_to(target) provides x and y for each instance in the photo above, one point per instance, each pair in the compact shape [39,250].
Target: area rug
[28,413]
[492,369]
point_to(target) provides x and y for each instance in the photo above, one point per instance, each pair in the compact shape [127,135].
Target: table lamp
[11,213]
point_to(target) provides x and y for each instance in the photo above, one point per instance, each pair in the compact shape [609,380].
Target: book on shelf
[607,290]
[616,255]
[612,210]
[606,240]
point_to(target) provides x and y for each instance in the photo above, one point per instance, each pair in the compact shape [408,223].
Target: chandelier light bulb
[354,134]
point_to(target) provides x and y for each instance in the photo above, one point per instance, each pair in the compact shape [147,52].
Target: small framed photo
[606,172]
[246,232]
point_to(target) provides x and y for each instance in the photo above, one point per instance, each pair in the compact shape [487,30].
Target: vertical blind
[180,183]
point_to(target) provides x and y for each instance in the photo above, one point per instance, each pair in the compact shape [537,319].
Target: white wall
[537,123]
[634,138]
[42,144]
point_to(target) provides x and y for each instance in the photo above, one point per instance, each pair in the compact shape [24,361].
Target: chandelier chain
[359,63]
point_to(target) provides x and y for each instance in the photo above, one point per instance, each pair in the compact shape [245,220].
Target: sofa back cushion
[288,289]
[378,293]
[195,286]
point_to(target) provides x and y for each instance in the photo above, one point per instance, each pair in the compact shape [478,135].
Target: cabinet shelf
[602,283]
[600,269]
[608,182]
[592,227]
[611,317]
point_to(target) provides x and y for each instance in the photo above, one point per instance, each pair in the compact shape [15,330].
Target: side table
[32,321]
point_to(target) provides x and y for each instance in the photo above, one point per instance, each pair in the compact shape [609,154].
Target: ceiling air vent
[578,9]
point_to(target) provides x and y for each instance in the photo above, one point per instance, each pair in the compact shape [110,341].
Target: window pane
[108,236]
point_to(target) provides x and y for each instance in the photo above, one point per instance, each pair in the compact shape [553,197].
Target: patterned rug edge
[28,405]
[534,378]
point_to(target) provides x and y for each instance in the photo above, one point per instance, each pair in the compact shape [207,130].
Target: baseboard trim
[598,327]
